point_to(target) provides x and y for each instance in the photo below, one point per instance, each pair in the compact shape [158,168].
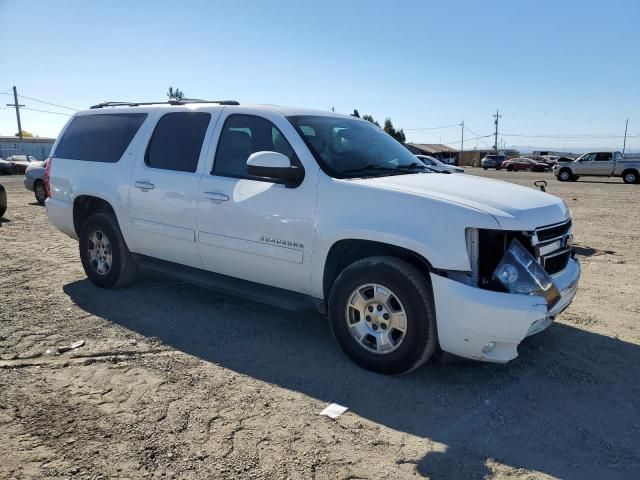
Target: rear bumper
[61,216]
[28,183]
[488,326]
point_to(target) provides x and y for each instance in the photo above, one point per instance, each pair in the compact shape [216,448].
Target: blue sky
[553,68]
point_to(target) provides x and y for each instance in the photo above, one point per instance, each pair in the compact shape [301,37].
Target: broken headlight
[519,272]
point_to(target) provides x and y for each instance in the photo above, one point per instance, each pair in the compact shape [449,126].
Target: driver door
[250,227]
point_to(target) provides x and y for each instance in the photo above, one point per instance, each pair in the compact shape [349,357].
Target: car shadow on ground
[567,407]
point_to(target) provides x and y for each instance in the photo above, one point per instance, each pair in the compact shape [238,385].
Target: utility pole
[497,118]
[461,141]
[624,145]
[17,105]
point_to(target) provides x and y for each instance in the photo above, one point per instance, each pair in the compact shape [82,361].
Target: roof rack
[184,101]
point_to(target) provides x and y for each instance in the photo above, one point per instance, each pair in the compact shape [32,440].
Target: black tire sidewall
[38,185]
[3,201]
[107,224]
[624,177]
[420,321]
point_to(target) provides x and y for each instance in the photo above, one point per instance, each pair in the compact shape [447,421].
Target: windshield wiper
[372,168]
[415,166]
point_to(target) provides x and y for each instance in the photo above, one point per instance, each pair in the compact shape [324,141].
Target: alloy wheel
[376,318]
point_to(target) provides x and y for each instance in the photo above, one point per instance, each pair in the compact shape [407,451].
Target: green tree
[397,134]
[176,94]
[355,113]
[25,134]
[369,118]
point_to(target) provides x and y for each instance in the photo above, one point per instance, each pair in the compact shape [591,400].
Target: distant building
[38,147]
[441,152]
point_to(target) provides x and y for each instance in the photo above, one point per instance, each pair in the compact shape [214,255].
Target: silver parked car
[438,166]
[34,180]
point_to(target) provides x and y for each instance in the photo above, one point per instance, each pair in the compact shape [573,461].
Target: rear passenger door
[164,187]
[250,227]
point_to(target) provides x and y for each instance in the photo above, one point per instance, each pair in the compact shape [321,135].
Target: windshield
[347,148]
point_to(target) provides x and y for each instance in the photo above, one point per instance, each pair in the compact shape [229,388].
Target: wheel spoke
[398,321]
[381,294]
[359,330]
[384,342]
[358,301]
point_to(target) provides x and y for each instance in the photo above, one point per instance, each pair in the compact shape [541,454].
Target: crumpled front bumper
[488,326]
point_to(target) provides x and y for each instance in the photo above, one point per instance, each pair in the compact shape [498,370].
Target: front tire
[381,314]
[105,257]
[565,175]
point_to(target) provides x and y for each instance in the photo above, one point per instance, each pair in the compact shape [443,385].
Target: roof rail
[183,101]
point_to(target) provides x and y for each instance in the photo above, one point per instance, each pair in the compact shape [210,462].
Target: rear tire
[105,257]
[39,192]
[3,201]
[396,300]
[485,168]
[509,168]
[630,176]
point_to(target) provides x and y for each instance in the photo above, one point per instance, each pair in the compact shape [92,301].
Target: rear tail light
[47,176]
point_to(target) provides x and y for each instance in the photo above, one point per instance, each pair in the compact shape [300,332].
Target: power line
[42,101]
[49,103]
[432,128]
[47,111]
[585,136]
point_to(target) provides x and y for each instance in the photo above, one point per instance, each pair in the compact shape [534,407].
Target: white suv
[308,209]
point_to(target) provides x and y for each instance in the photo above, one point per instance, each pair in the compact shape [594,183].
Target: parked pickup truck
[308,209]
[600,164]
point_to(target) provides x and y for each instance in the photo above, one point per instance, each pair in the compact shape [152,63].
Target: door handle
[219,197]
[144,185]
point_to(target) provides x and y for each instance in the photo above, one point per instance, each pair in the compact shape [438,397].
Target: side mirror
[274,165]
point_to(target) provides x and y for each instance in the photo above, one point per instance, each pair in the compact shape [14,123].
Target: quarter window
[100,137]
[243,135]
[177,141]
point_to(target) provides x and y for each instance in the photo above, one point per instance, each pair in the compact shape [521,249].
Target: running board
[244,289]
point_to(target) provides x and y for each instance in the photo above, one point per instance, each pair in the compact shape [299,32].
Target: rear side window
[99,138]
[177,141]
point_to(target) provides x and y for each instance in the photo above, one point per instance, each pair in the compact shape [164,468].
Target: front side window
[99,137]
[177,141]
[243,135]
[348,148]
[587,157]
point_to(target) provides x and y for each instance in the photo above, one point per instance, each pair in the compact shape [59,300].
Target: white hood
[515,207]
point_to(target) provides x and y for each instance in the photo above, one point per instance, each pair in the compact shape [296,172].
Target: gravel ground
[179,382]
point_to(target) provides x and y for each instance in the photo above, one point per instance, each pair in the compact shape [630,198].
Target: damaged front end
[519,281]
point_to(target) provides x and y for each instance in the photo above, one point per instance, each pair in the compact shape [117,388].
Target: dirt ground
[179,382]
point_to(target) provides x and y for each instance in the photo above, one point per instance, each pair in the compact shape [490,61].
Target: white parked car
[308,209]
[439,166]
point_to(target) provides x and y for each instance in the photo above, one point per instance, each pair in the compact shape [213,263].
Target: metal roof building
[38,147]
[441,152]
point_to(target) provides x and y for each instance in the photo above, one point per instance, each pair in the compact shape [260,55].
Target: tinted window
[99,138]
[603,156]
[243,135]
[177,141]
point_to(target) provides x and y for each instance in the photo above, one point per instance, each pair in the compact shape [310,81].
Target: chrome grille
[552,245]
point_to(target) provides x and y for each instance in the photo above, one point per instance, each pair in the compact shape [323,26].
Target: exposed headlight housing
[520,272]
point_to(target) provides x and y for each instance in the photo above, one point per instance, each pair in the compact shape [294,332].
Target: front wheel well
[630,170]
[345,252]
[86,205]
